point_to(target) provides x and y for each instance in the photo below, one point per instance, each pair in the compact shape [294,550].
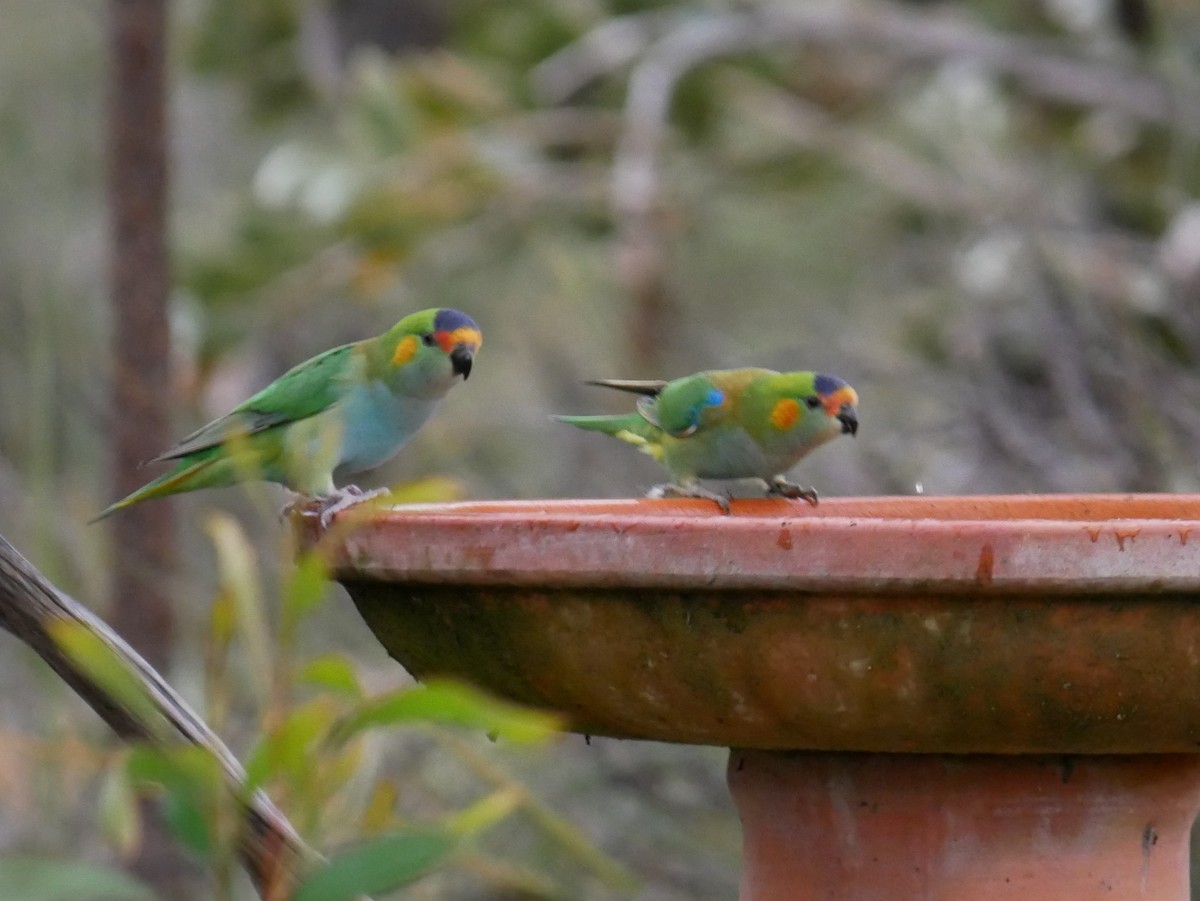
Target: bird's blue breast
[375,424]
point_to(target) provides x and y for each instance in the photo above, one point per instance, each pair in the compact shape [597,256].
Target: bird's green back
[303,391]
[701,401]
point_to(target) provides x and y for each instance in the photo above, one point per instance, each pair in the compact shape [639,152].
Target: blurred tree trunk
[144,536]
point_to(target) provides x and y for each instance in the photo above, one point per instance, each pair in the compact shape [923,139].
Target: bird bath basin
[958,698]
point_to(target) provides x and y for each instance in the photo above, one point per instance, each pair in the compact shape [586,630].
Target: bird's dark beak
[848,417]
[460,359]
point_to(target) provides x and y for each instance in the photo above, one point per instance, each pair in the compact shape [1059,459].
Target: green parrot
[730,424]
[343,411]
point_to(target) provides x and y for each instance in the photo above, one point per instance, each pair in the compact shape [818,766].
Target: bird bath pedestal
[925,698]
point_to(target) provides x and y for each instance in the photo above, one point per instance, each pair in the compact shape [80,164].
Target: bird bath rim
[1064,544]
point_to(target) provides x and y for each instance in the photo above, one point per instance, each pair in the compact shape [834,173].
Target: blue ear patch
[714,398]
[826,385]
[448,320]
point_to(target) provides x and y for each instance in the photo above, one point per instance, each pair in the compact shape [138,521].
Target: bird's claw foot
[342,499]
[697,491]
[329,505]
[781,487]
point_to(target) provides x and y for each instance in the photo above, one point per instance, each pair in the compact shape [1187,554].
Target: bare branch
[271,850]
[1041,68]
[611,45]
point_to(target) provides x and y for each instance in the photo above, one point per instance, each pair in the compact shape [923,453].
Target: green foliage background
[1010,281]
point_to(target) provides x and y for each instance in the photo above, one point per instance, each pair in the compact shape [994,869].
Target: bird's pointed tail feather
[647,387]
[631,428]
[183,478]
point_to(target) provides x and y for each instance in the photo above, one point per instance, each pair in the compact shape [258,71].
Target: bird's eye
[428,340]
[812,401]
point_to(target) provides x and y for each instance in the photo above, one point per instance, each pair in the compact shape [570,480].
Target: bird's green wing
[685,404]
[301,392]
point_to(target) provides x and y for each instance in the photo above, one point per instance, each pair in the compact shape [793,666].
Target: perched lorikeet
[731,424]
[343,411]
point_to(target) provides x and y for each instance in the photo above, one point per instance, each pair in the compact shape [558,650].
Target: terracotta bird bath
[925,698]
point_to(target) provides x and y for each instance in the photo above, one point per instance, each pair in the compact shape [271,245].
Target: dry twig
[270,849]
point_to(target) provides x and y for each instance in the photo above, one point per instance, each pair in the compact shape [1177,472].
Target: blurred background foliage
[981,213]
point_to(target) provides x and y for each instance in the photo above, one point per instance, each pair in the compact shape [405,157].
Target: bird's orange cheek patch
[405,349]
[785,413]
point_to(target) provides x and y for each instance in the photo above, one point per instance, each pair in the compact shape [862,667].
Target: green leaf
[334,672]
[238,573]
[288,750]
[378,814]
[104,666]
[193,791]
[380,865]
[47,879]
[454,703]
[306,586]
[488,811]
[430,490]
